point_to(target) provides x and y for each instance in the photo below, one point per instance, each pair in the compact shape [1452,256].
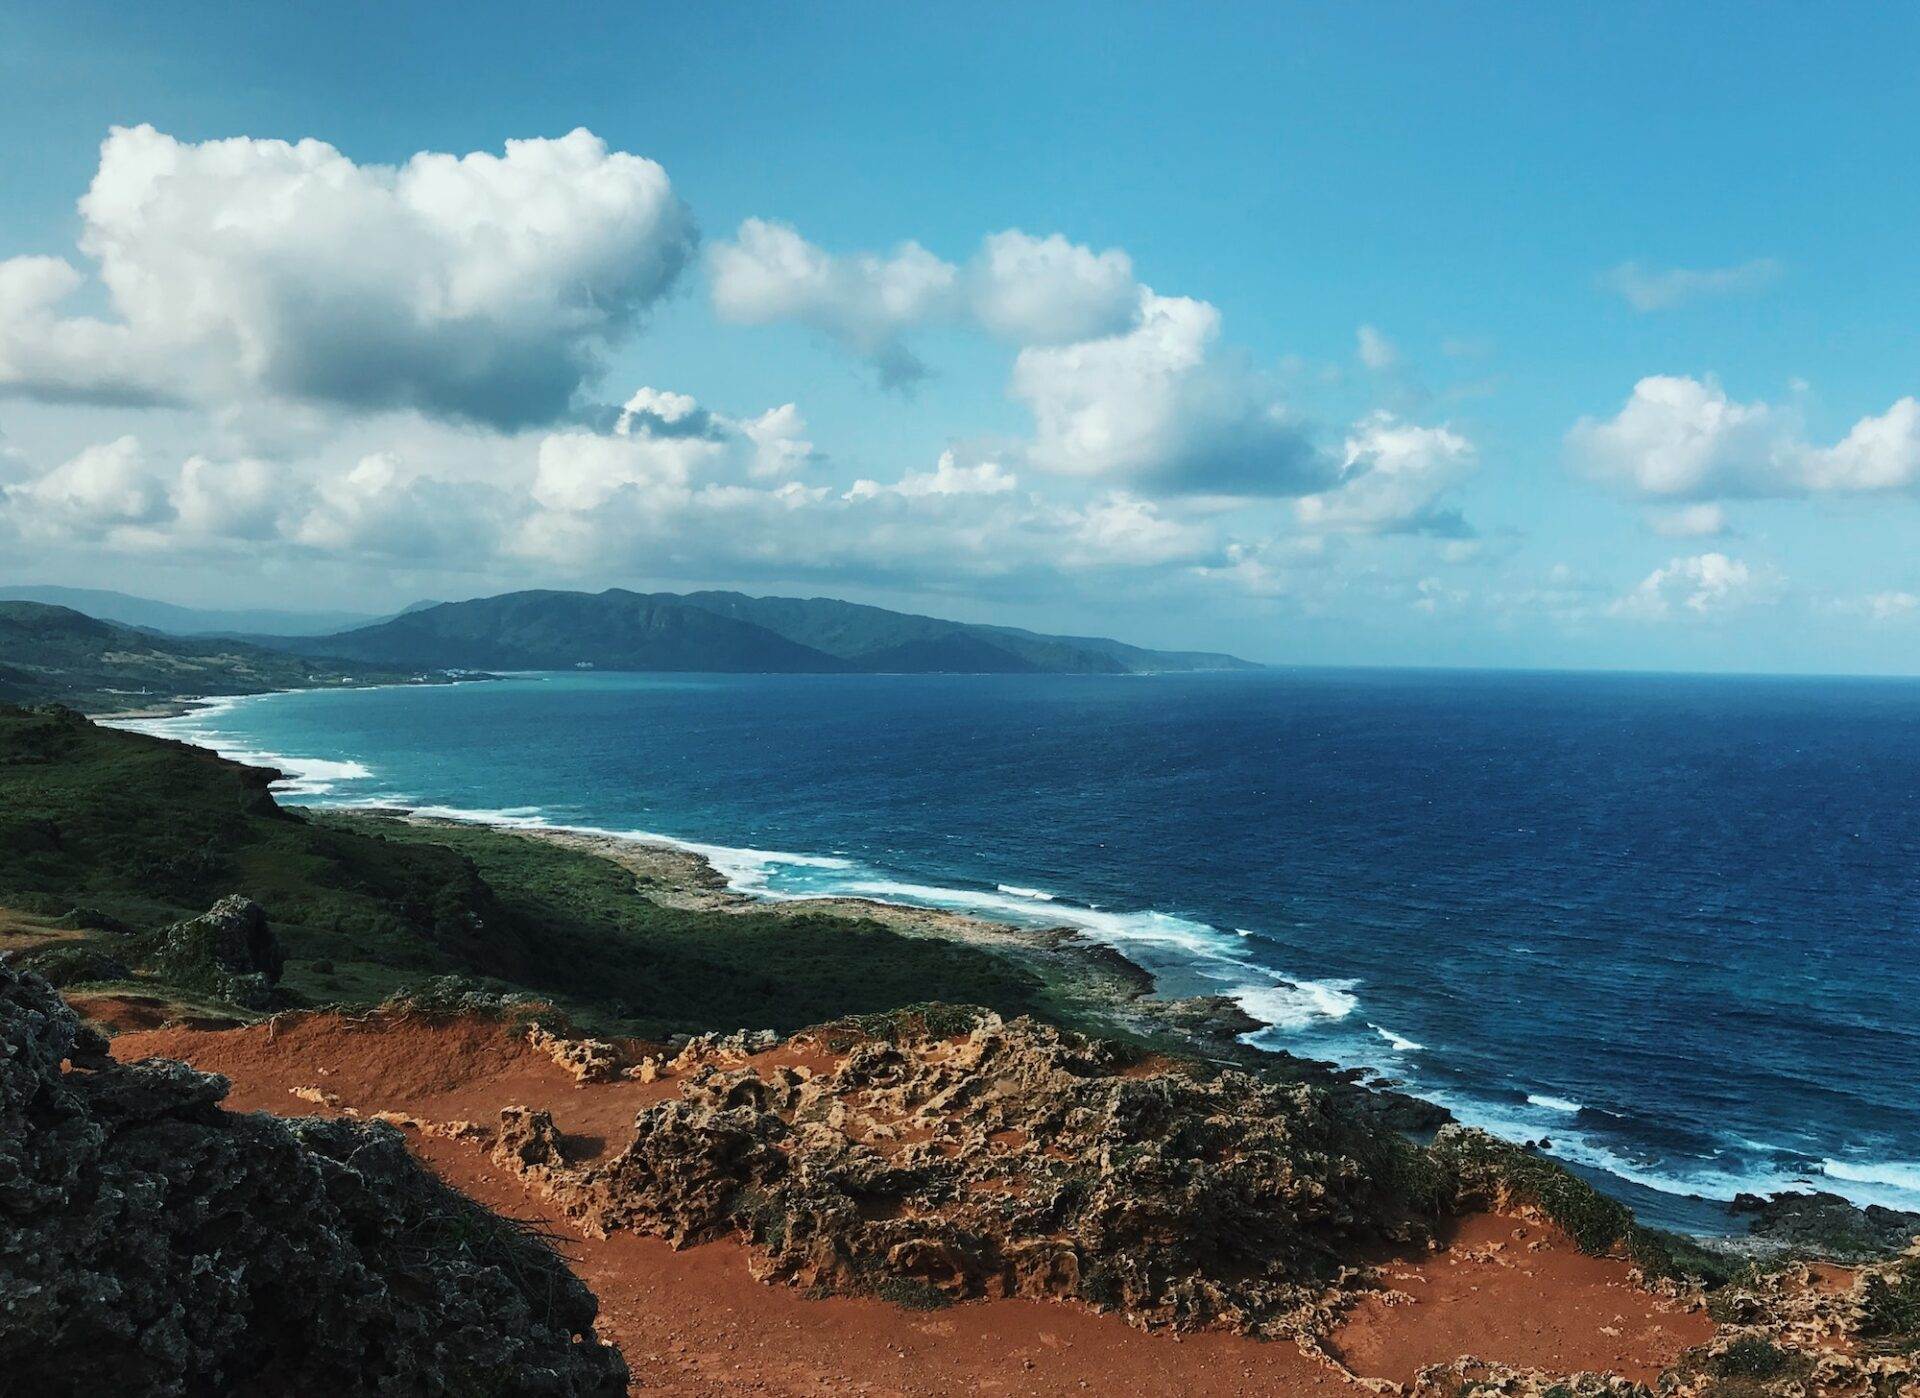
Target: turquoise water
[1667,922]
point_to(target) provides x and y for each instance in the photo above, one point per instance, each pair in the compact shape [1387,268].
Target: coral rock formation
[995,1158]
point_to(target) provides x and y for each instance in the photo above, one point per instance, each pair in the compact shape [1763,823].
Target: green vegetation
[1751,1357]
[604,951]
[1890,1310]
[101,827]
[53,653]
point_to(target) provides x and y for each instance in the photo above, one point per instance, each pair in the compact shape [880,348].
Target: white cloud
[1681,438]
[105,487]
[1026,290]
[1661,288]
[1705,520]
[1157,407]
[64,358]
[382,509]
[780,446]
[1701,585]
[481,287]
[1392,480]
[770,273]
[948,477]
[1125,385]
[1879,453]
[1048,291]
[242,499]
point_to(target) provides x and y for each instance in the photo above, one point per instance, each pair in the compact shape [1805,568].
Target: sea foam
[1552,1104]
[1298,1004]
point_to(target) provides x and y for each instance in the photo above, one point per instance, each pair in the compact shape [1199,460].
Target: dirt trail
[695,1322]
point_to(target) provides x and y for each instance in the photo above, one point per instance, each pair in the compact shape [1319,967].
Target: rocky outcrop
[229,952]
[992,1158]
[152,1243]
[589,1060]
[1825,1225]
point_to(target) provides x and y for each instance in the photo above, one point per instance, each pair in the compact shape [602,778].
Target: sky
[1494,335]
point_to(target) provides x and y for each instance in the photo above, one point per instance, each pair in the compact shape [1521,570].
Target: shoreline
[1101,988]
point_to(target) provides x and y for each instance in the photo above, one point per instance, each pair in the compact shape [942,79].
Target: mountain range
[724,631]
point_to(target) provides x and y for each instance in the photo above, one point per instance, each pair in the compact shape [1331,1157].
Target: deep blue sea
[1667,922]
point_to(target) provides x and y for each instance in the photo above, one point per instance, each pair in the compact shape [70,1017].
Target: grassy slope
[639,962]
[149,831]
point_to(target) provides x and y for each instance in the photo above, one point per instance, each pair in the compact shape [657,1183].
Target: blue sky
[1691,227]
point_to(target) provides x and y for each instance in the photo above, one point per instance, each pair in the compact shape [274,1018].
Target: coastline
[1100,989]
[1095,985]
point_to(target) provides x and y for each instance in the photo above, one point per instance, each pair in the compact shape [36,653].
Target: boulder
[228,951]
[1825,1225]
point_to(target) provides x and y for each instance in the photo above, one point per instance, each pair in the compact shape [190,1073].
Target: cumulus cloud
[768,272]
[1879,453]
[1681,438]
[382,509]
[1661,288]
[103,488]
[240,499]
[1392,480]
[481,287]
[1159,407]
[692,504]
[1125,385]
[66,359]
[1684,438]
[1704,584]
[1048,291]
[662,444]
[1022,289]
[668,488]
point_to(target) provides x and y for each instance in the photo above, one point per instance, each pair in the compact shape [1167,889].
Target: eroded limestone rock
[1006,1159]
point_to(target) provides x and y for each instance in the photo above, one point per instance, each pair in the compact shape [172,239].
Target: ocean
[1666,922]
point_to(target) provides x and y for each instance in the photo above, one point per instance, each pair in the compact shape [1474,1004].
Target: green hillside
[101,828]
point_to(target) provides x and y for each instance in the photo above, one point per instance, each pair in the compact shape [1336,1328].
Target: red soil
[1488,1293]
[695,1322]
